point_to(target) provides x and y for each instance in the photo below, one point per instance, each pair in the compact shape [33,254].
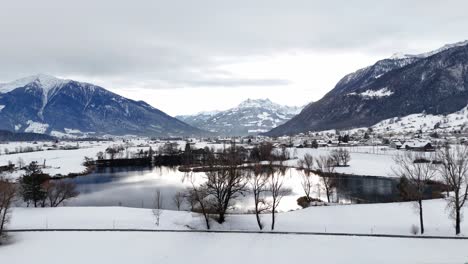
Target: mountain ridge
[436,83]
[45,104]
[250,117]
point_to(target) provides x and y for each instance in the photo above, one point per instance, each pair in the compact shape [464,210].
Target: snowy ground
[370,161]
[373,161]
[64,162]
[391,218]
[128,247]
[147,247]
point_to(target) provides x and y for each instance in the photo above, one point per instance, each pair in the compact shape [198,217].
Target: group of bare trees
[225,181]
[340,156]
[7,194]
[325,167]
[449,165]
[37,189]
[267,187]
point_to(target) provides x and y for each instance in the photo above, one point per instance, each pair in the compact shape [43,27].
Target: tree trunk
[257,215]
[273,219]
[421,221]
[221,217]
[457,219]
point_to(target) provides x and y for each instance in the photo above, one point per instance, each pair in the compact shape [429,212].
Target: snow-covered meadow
[181,248]
[371,161]
[147,247]
[63,162]
[389,218]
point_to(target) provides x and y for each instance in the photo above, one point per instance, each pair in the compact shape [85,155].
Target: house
[396,144]
[418,145]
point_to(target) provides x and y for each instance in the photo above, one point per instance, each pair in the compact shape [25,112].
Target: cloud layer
[189,44]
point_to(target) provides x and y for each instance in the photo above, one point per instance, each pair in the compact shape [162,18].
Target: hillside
[435,83]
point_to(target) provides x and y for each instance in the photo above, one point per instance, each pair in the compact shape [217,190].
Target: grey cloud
[165,43]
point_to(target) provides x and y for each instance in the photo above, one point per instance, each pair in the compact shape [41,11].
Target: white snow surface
[63,162]
[374,93]
[399,55]
[1,107]
[36,127]
[46,82]
[387,218]
[183,248]
[425,122]
[165,247]
[268,104]
[378,93]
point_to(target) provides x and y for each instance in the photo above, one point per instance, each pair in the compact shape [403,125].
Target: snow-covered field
[373,161]
[64,162]
[56,161]
[391,218]
[425,122]
[166,247]
[181,248]
[370,161]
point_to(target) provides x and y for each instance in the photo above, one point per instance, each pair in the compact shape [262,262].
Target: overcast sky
[189,56]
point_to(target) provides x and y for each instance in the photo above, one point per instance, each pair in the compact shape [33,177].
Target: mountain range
[45,104]
[252,116]
[434,83]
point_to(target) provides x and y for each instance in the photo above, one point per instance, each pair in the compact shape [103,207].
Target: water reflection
[136,187]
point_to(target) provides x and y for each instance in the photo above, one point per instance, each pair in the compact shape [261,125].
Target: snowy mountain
[249,117]
[45,104]
[454,122]
[435,83]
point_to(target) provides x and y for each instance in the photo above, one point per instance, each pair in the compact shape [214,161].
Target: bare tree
[326,169]
[416,171]
[224,185]
[20,163]
[344,156]
[114,151]
[307,164]
[258,183]
[178,200]
[198,199]
[335,157]
[277,191]
[454,172]
[7,194]
[60,191]
[157,208]
[340,156]
[225,181]
[100,155]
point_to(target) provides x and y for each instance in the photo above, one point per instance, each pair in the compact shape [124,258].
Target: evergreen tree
[31,184]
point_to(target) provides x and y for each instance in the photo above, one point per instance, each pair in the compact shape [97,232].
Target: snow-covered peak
[46,82]
[257,103]
[399,56]
[445,47]
[208,113]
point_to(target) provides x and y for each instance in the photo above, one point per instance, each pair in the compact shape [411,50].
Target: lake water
[136,187]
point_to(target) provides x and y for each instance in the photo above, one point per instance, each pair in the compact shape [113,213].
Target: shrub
[414,230]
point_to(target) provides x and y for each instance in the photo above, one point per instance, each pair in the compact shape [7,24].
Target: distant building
[418,145]
[396,144]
